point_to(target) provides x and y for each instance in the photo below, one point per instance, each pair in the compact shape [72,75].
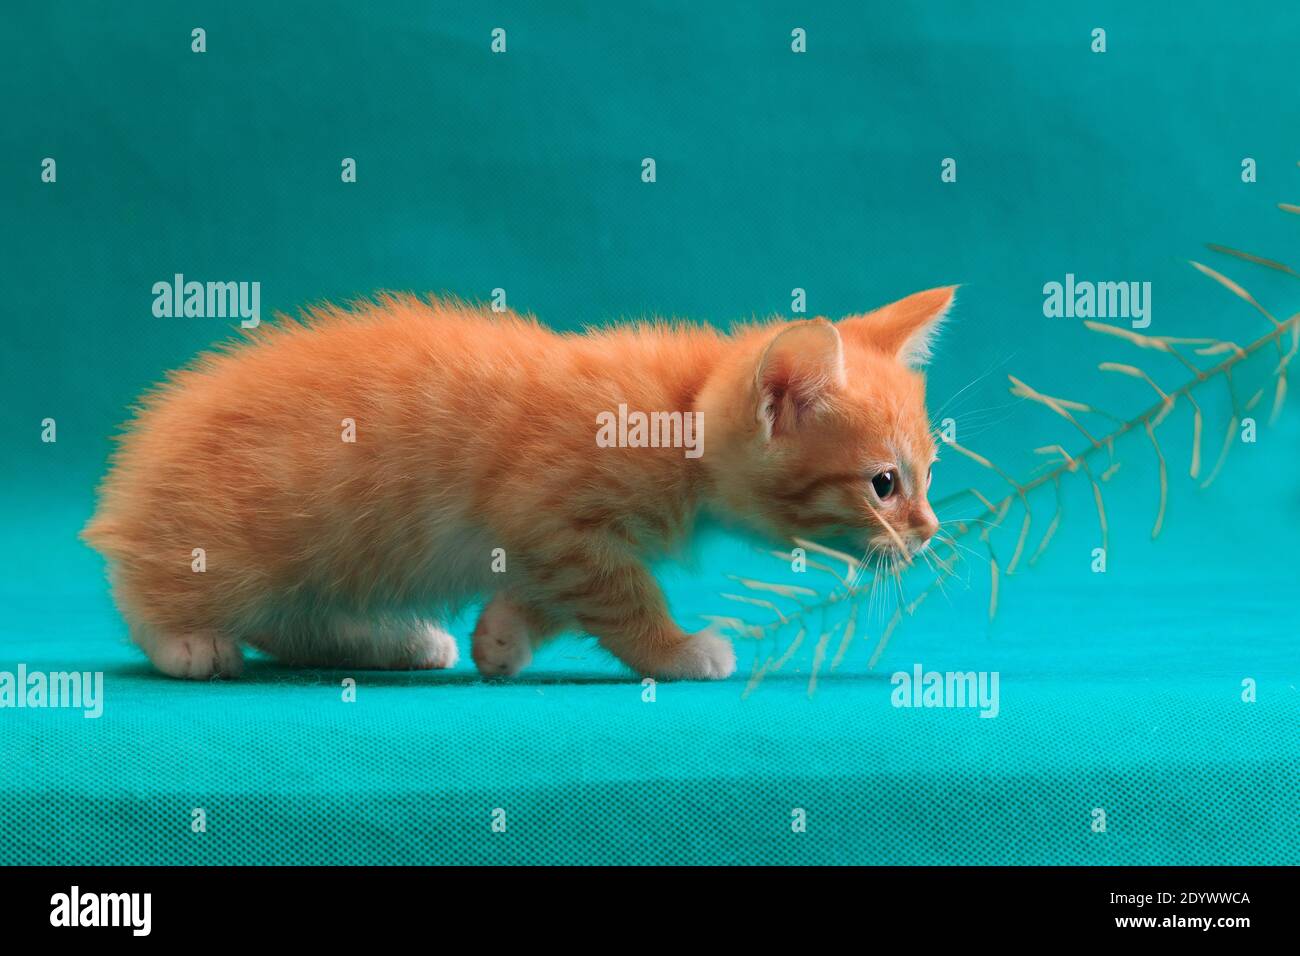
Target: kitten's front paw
[502,646]
[702,656]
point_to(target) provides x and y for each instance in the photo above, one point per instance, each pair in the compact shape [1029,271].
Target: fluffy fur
[475,432]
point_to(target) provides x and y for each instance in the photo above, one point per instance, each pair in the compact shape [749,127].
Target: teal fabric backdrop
[775,171]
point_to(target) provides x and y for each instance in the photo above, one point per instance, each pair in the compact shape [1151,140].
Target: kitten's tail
[101,533]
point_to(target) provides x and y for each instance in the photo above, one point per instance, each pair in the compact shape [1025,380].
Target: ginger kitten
[327,490]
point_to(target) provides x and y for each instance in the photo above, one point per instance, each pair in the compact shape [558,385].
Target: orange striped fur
[475,474]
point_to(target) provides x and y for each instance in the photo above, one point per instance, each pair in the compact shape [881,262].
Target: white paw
[197,656]
[434,648]
[502,647]
[702,656]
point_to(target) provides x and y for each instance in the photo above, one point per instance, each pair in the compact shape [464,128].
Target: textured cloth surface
[1143,720]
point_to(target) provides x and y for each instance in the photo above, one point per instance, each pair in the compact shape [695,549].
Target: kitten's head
[832,441]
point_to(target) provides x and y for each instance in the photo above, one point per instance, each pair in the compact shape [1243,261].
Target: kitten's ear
[795,372]
[905,329]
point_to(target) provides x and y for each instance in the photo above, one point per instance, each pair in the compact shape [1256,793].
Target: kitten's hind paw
[200,655]
[701,656]
[433,649]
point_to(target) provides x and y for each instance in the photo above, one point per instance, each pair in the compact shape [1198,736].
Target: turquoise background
[775,170]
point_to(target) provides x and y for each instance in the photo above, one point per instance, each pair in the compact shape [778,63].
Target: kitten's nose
[924,526]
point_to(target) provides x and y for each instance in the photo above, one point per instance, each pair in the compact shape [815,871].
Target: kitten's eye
[929,478]
[884,484]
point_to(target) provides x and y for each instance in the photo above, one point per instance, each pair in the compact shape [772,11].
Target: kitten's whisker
[958,546]
[898,540]
[862,566]
[940,573]
[961,521]
[975,381]
[969,550]
[876,599]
